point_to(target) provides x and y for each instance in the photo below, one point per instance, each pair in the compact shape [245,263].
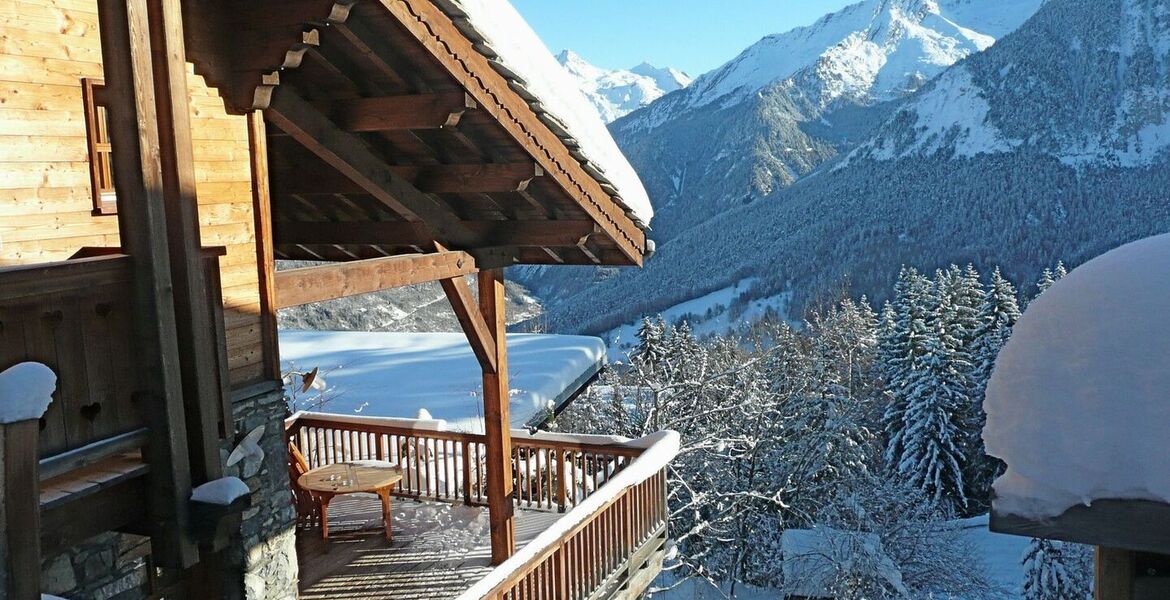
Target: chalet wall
[46,48]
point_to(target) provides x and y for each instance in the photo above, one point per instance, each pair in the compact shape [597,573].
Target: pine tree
[914,297]
[999,311]
[932,440]
[1048,574]
[1048,277]
[651,337]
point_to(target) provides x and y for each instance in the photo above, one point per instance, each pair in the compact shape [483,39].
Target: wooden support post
[497,428]
[1114,573]
[203,390]
[265,254]
[20,509]
[142,223]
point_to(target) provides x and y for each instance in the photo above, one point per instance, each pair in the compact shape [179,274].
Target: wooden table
[331,480]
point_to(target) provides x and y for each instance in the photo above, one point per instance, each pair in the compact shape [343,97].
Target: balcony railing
[611,538]
[75,317]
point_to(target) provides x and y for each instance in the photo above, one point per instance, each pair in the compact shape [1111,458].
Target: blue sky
[693,35]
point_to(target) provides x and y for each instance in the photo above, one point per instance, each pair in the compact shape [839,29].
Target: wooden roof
[392,130]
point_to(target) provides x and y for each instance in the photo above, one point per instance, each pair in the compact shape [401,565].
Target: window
[101,173]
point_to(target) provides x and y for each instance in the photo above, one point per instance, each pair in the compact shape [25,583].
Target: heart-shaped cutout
[90,411]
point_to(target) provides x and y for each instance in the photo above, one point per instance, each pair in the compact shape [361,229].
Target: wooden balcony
[590,514]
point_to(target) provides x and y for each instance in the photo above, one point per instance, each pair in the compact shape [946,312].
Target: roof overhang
[390,132]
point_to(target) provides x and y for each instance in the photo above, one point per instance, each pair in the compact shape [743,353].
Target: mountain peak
[616,93]
[869,52]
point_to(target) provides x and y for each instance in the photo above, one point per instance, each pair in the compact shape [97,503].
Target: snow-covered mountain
[788,104]
[616,93]
[1050,144]
[872,51]
[794,100]
[1116,111]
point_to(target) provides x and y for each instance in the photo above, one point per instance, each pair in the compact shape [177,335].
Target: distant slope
[616,93]
[1049,145]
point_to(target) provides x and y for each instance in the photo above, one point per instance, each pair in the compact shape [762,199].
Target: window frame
[97,134]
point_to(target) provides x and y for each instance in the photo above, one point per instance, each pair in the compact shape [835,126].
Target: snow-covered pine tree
[906,345]
[1048,277]
[997,315]
[651,342]
[932,457]
[1051,573]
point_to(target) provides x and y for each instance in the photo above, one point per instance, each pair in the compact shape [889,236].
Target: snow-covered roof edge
[502,36]
[661,448]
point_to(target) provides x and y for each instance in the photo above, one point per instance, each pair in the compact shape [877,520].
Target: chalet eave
[389,132]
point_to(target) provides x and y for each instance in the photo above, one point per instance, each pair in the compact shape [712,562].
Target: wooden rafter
[351,156]
[399,233]
[425,22]
[395,113]
[430,179]
[327,282]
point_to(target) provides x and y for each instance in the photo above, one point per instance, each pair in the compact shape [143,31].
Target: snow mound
[524,55]
[221,492]
[1077,404]
[26,389]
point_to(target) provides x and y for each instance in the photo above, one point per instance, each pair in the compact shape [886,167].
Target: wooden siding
[46,48]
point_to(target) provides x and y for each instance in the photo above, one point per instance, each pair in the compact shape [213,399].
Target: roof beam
[347,153]
[562,234]
[306,285]
[430,179]
[396,113]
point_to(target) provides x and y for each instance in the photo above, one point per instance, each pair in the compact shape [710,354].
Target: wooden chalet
[156,158]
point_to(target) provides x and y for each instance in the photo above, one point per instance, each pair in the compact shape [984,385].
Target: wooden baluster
[562,479]
[465,448]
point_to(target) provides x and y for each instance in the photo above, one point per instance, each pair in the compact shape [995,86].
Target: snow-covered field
[398,374]
[719,319]
[1000,554]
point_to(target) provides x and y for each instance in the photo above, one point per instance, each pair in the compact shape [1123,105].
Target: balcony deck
[439,549]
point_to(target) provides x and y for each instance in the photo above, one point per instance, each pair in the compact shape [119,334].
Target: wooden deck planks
[431,563]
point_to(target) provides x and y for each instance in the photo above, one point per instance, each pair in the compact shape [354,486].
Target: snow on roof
[26,389]
[1077,405]
[386,374]
[814,559]
[502,35]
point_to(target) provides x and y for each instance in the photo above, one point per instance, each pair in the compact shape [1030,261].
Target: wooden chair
[307,503]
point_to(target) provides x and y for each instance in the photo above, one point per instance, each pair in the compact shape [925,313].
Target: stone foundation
[109,566]
[266,550]
[260,562]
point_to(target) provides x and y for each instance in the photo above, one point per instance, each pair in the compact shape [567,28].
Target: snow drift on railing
[413,424]
[661,448]
[26,389]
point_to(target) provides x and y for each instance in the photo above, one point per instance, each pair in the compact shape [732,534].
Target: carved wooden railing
[549,473]
[611,539]
[75,317]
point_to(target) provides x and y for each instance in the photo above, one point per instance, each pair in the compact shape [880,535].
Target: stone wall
[265,552]
[260,562]
[108,566]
